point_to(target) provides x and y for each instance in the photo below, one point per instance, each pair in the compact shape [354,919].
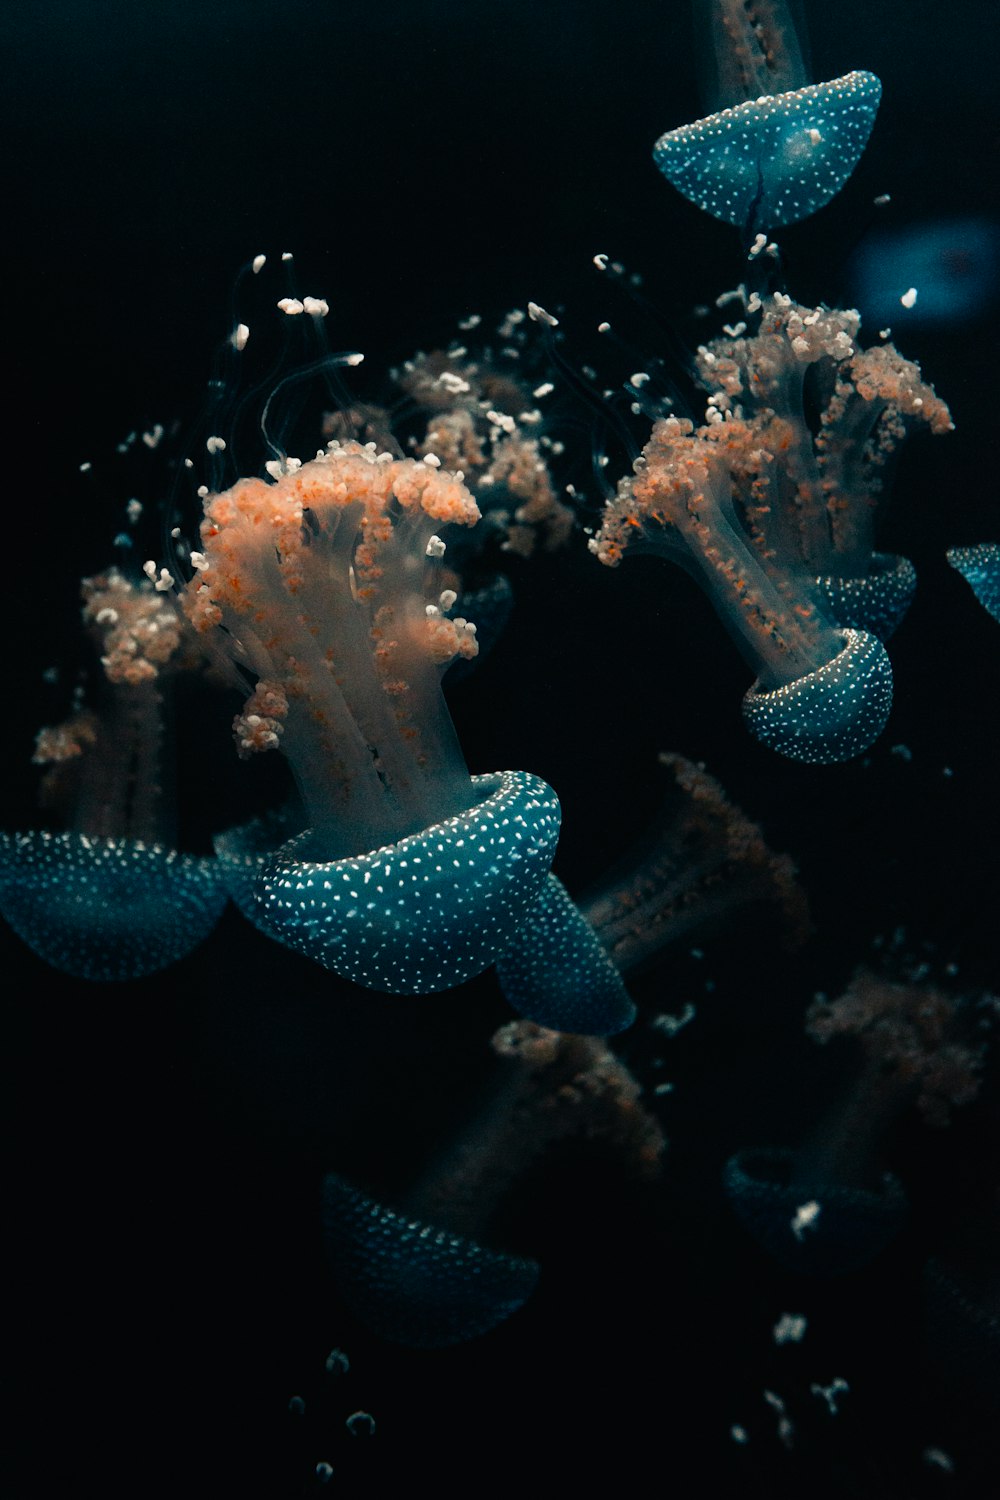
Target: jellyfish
[418,1273]
[821,695]
[817,507]
[484,419]
[110,897]
[410,876]
[980,567]
[776,519]
[831,1207]
[700,863]
[776,148]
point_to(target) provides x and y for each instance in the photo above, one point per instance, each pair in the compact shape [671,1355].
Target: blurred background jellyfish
[110,897]
[418,1273]
[775,148]
[952,264]
[700,865]
[831,1206]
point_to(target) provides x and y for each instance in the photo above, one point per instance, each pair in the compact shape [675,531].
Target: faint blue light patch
[954,264]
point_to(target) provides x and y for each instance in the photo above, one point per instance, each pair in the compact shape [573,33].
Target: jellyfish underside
[776,148]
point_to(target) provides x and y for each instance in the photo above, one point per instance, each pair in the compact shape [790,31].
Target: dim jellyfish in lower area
[776,148]
[323,586]
[831,1207]
[110,898]
[980,567]
[418,1272]
[816,1228]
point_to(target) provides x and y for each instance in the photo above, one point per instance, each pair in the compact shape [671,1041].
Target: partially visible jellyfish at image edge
[776,521]
[323,588]
[419,1271]
[830,1206]
[980,567]
[111,898]
[775,148]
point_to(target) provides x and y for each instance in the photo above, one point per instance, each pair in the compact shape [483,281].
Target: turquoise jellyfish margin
[426,913]
[773,160]
[107,909]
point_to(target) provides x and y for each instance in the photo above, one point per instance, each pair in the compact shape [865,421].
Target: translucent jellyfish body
[777,148]
[775,516]
[110,898]
[324,585]
[814,489]
[418,1273]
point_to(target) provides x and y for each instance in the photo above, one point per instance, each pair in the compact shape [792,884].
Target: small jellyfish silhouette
[980,567]
[953,263]
[776,148]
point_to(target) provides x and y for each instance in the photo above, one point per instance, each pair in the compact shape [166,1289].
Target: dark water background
[426,161]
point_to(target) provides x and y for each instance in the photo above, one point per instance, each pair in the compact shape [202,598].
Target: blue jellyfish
[776,148]
[111,898]
[418,1272]
[819,1228]
[980,567]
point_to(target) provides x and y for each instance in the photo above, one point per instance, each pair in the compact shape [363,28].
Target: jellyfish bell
[430,910]
[980,567]
[110,897]
[421,1272]
[777,148]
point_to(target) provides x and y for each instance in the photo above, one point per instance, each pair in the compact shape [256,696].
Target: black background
[426,161]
